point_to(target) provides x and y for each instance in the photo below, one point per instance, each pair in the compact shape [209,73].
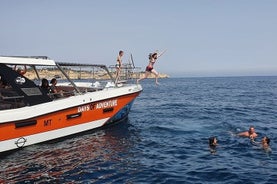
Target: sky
[202,37]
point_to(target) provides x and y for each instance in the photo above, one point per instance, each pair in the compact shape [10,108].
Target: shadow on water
[97,155]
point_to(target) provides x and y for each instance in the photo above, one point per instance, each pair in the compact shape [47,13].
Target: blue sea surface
[165,139]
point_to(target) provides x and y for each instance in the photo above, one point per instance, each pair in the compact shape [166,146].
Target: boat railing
[128,72]
[97,77]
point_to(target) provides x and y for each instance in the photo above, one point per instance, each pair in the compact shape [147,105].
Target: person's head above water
[265,140]
[250,133]
[265,143]
[251,130]
[212,141]
[213,144]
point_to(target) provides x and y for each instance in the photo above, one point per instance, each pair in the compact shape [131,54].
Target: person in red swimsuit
[150,67]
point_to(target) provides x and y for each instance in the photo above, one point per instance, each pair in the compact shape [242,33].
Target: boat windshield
[27,85]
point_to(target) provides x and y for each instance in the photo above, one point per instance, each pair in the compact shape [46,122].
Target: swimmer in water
[212,144]
[250,133]
[118,65]
[264,144]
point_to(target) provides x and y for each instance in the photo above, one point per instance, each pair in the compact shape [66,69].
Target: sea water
[165,139]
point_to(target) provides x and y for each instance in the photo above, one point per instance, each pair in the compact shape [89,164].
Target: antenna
[132,61]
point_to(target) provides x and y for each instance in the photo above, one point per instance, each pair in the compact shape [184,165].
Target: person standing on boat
[150,67]
[118,65]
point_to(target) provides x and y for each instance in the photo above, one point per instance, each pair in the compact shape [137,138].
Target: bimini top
[34,60]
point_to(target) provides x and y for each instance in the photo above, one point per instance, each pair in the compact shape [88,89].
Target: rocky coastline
[74,74]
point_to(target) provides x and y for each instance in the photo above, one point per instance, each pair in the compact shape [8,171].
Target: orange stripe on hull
[65,118]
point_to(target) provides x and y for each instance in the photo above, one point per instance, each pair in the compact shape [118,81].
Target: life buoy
[20,70]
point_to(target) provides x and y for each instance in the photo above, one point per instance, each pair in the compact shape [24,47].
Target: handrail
[72,83]
[11,97]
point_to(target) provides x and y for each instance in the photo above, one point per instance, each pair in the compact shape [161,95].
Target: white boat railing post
[67,77]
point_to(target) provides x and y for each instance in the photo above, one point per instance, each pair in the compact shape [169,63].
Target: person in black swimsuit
[118,65]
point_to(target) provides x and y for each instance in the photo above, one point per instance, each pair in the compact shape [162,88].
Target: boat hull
[60,118]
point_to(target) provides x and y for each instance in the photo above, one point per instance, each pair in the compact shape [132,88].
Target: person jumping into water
[150,67]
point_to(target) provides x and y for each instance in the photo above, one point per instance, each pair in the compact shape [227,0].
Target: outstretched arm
[161,53]
[253,142]
[243,134]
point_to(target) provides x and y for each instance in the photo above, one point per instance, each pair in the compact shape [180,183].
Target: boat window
[9,99]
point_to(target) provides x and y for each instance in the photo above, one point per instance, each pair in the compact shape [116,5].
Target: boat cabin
[26,81]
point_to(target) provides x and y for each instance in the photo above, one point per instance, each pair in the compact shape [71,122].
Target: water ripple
[165,139]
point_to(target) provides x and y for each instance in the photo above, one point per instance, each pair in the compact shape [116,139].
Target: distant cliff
[74,74]
[161,75]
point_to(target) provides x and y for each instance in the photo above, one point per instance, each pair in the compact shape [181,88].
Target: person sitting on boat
[53,89]
[45,86]
[250,133]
